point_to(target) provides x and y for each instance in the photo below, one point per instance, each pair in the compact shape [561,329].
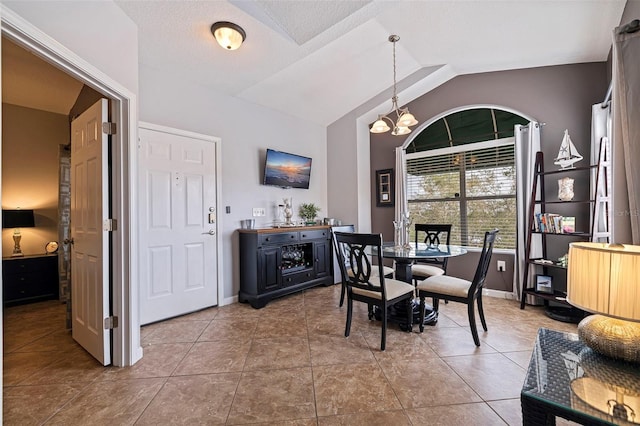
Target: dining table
[404,257]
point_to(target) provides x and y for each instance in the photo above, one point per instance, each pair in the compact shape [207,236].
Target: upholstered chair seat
[459,290]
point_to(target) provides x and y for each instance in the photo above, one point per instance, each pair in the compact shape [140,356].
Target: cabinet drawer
[297,277]
[278,238]
[29,279]
[320,234]
[28,286]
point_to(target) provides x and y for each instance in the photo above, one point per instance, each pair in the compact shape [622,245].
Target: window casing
[472,186]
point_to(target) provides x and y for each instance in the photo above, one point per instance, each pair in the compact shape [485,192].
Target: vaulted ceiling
[319,60]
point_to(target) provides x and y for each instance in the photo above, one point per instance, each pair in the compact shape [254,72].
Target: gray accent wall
[559,96]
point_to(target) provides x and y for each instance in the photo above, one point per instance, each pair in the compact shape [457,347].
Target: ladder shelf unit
[597,205]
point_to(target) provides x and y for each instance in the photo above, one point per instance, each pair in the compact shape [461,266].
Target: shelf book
[552,223]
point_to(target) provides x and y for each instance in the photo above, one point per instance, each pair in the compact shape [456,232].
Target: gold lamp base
[17,252]
[611,337]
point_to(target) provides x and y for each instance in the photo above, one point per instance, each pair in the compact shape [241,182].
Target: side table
[28,279]
[565,378]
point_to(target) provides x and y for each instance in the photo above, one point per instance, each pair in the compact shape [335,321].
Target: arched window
[461,170]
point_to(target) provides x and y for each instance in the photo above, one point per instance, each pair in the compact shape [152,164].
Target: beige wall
[30,140]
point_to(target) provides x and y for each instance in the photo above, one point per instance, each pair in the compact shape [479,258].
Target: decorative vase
[398,235]
[565,189]
[288,210]
[407,225]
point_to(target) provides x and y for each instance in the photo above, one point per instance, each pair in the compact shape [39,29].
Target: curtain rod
[630,28]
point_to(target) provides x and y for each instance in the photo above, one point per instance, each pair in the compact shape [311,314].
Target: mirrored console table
[567,379]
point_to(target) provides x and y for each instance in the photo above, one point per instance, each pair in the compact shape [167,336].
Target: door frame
[126,349]
[218,150]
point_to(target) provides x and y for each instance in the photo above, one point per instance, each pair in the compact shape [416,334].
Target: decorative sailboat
[568,153]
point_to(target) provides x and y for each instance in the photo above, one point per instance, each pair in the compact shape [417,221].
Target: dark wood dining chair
[355,253]
[388,271]
[458,290]
[430,234]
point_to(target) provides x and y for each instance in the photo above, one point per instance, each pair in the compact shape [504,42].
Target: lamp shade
[605,279]
[18,219]
[379,127]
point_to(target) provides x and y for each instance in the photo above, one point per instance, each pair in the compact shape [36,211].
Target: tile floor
[286,364]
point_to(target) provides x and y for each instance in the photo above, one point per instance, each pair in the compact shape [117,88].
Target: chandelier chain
[404,119]
[395,96]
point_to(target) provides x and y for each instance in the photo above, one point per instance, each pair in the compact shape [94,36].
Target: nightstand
[29,279]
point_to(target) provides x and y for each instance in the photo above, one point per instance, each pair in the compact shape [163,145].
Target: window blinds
[472,187]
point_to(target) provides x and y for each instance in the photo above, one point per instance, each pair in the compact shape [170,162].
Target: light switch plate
[259,211]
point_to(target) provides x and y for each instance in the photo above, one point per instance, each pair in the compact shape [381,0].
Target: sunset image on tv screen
[287,170]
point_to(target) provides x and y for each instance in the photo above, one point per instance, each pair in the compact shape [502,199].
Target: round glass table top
[422,251]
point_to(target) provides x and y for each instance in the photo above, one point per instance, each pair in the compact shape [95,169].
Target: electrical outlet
[502,266]
[259,211]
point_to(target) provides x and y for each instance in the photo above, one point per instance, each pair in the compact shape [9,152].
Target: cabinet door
[269,269]
[322,254]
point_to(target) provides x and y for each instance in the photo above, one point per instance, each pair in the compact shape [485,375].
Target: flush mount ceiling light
[404,119]
[228,35]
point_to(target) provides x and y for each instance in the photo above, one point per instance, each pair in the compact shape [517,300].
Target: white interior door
[90,244]
[178,217]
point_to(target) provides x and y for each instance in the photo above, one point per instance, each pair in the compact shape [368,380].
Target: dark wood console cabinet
[278,261]
[29,279]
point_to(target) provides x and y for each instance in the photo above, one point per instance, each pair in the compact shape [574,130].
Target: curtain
[626,138]
[601,134]
[401,195]
[527,140]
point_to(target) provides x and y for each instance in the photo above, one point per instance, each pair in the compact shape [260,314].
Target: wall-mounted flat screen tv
[287,170]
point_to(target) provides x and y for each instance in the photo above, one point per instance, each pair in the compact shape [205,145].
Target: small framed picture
[384,188]
[544,284]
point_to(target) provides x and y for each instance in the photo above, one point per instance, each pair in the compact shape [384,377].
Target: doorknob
[68,241]
[210,232]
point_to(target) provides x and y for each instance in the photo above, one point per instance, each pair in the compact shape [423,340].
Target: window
[468,181]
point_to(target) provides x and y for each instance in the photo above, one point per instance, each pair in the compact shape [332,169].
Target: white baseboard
[228,301]
[499,294]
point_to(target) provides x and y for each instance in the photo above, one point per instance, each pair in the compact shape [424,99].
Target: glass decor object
[565,189]
[604,279]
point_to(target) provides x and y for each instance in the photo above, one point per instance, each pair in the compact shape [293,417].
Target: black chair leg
[472,323]
[383,341]
[342,292]
[347,328]
[410,315]
[481,312]
[436,304]
[421,325]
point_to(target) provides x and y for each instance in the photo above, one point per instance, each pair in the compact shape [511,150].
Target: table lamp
[17,219]
[604,279]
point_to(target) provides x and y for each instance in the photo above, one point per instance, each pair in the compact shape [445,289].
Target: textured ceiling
[320,59]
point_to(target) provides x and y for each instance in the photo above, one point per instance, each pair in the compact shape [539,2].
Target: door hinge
[109,128]
[110,323]
[110,225]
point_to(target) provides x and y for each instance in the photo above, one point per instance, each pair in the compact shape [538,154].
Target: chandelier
[404,119]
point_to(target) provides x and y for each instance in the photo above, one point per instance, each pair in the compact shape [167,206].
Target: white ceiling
[319,60]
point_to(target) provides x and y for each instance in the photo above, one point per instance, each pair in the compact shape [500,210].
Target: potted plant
[308,212]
